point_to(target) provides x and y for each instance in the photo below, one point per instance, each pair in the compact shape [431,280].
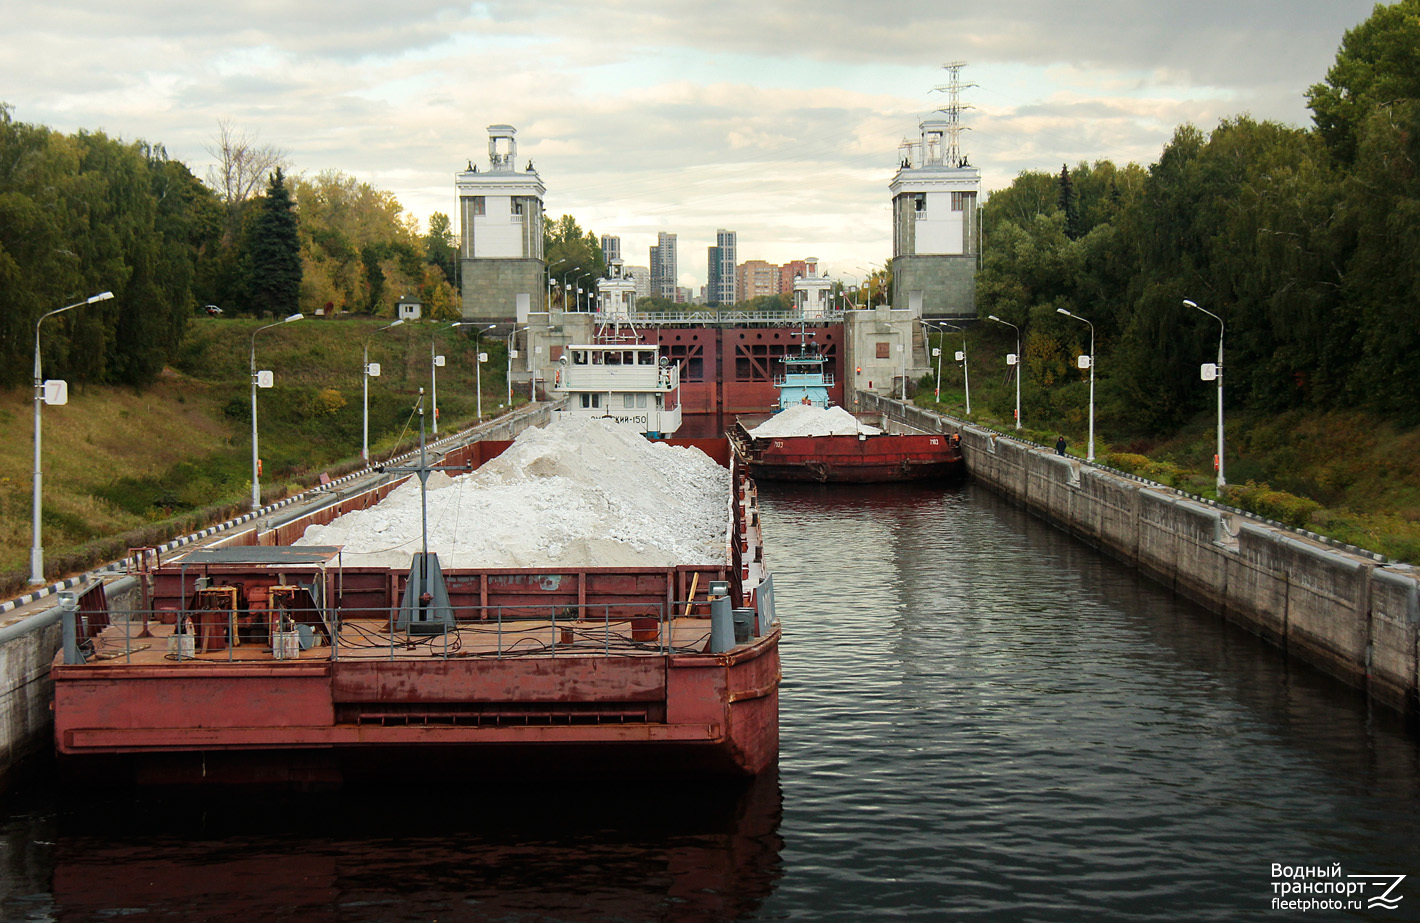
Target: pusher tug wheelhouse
[267,661]
[621,379]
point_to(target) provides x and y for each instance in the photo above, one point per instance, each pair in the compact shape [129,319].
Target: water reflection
[985,719]
[408,852]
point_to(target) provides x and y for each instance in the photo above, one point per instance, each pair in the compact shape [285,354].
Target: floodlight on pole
[1014,360]
[365,370]
[1090,452]
[37,548]
[263,380]
[1218,374]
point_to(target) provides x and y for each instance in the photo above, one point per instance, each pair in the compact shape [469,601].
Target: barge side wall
[1346,613]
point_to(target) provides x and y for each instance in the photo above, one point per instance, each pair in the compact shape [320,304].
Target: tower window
[920,201]
[476,205]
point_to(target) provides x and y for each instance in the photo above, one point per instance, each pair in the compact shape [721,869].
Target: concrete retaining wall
[1346,612]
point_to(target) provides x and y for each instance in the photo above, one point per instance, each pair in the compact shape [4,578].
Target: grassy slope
[116,460]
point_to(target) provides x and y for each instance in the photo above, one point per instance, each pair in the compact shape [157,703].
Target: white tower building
[501,264]
[616,294]
[813,293]
[936,229]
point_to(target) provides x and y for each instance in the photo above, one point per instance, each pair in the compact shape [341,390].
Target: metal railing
[719,317]
[496,632]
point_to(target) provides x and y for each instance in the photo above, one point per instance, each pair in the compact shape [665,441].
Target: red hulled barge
[264,660]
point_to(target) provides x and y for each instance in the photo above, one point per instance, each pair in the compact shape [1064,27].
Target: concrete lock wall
[1340,609]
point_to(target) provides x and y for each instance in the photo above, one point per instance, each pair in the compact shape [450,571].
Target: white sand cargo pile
[576,493]
[808,420]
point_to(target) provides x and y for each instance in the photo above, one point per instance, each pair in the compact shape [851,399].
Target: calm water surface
[981,720]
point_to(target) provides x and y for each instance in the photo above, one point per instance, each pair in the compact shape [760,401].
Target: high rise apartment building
[755,278]
[720,265]
[664,276]
[611,249]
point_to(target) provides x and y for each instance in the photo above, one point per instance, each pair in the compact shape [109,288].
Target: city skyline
[780,122]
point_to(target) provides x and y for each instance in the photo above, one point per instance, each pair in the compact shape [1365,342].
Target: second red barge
[825,450]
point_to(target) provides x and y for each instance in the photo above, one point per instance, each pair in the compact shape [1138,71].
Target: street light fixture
[37,549]
[260,380]
[1090,453]
[1218,374]
[478,358]
[941,347]
[434,363]
[965,370]
[368,373]
[1013,359]
[566,286]
[549,282]
[512,354]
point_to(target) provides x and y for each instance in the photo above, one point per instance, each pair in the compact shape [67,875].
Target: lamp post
[856,287]
[567,286]
[434,363]
[1090,452]
[1015,360]
[256,382]
[478,364]
[549,282]
[37,549]
[941,346]
[365,368]
[509,376]
[1218,373]
[965,371]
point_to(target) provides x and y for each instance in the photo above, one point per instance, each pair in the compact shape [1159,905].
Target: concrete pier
[1341,609]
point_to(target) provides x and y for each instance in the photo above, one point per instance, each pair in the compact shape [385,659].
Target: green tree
[1382,277]
[1378,64]
[1069,205]
[273,252]
[441,246]
[566,245]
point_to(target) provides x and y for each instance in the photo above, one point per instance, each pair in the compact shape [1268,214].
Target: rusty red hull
[851,459]
[586,671]
[715,714]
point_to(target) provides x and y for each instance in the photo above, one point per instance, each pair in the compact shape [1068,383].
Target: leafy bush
[1278,505]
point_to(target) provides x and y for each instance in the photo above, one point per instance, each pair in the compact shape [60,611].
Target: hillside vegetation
[129,468]
[1353,476]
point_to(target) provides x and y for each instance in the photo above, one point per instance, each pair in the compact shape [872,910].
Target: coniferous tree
[273,253]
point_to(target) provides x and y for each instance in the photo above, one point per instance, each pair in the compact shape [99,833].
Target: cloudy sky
[779,119]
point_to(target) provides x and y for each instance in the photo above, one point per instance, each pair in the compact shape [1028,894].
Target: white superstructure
[625,382]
